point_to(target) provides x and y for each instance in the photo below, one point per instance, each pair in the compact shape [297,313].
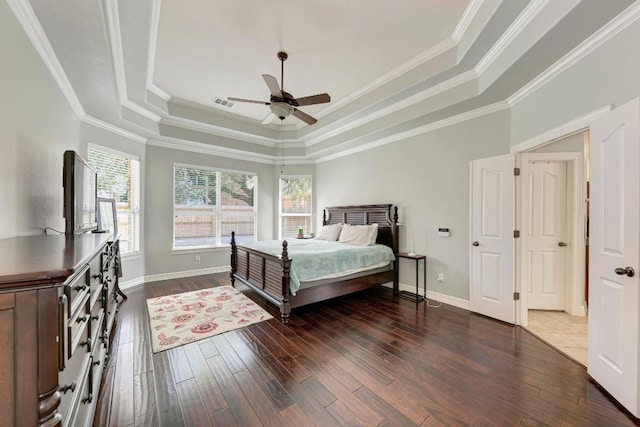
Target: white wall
[427,177]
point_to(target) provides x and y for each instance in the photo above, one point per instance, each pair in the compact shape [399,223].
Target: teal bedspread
[312,259]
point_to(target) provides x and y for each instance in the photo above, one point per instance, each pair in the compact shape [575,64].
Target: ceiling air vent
[222,102]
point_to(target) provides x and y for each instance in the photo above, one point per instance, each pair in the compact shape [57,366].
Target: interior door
[492,242]
[545,226]
[614,253]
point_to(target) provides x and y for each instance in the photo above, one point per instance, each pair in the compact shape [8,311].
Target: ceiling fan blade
[248,100]
[303,116]
[320,98]
[272,84]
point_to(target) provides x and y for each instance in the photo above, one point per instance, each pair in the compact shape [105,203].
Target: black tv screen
[80,188]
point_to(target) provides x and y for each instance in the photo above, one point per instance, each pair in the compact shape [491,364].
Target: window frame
[280,213]
[218,212]
[135,189]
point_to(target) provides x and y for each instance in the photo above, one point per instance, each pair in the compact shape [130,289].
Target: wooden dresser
[58,302]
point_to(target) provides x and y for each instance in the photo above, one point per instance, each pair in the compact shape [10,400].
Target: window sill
[178,251]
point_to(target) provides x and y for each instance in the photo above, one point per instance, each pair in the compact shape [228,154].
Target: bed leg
[234,255]
[285,312]
[285,308]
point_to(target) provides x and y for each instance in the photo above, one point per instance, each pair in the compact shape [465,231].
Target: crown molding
[469,115]
[406,102]
[525,18]
[117,56]
[113,129]
[202,148]
[463,24]
[576,125]
[414,62]
[156,5]
[31,25]
[597,39]
[210,129]
[229,153]
[161,93]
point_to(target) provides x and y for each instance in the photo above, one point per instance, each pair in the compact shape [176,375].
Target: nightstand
[415,297]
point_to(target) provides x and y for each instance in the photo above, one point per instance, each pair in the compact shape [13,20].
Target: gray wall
[427,177]
[36,126]
[159,257]
[608,75]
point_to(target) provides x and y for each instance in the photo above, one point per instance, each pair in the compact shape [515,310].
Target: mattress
[314,260]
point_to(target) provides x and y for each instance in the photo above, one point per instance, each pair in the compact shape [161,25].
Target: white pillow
[329,232]
[361,235]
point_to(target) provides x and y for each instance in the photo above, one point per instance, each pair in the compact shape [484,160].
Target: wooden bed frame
[268,275]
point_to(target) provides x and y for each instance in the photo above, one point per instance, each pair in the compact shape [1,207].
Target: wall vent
[222,102]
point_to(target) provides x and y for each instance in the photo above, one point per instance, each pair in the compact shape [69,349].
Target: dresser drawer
[78,329]
[73,388]
[97,326]
[96,279]
[76,290]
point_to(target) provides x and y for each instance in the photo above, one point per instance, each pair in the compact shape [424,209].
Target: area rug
[191,316]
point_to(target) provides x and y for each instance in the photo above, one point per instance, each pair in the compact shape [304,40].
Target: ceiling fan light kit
[281,110]
[283,104]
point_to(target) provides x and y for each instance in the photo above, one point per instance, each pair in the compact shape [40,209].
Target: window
[209,204]
[295,205]
[119,179]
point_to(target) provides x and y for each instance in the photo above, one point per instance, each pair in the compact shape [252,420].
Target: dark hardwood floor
[365,359]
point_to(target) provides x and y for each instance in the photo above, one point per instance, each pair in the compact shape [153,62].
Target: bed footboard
[266,274]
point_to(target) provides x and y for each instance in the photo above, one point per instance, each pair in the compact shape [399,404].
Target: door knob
[476,244]
[562,244]
[628,271]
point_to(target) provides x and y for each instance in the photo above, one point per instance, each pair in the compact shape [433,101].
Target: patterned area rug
[191,316]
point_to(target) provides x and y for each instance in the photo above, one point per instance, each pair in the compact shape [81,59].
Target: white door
[545,228]
[492,241]
[613,251]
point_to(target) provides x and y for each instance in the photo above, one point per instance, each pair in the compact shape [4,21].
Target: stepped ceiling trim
[28,20]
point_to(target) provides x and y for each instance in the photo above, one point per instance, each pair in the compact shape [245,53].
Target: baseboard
[131,283]
[447,299]
[175,275]
[188,273]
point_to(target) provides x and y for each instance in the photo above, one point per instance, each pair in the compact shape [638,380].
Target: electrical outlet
[197,258]
[440,277]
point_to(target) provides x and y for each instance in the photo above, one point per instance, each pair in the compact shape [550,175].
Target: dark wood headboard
[366,215]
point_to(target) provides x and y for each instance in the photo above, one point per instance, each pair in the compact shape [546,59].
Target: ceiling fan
[283,104]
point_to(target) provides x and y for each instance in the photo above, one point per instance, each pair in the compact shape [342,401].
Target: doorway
[553,214]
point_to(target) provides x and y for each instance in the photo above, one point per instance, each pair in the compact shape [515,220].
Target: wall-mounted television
[80,194]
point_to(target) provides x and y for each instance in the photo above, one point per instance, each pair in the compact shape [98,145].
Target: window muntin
[209,204]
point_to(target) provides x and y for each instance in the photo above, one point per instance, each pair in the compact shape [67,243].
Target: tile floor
[565,332]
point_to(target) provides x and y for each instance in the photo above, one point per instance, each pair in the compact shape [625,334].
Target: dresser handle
[82,319]
[96,317]
[88,399]
[80,288]
[65,388]
[96,363]
[87,343]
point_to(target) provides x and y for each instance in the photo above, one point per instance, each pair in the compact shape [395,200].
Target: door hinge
[516,171]
[516,234]
[516,296]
